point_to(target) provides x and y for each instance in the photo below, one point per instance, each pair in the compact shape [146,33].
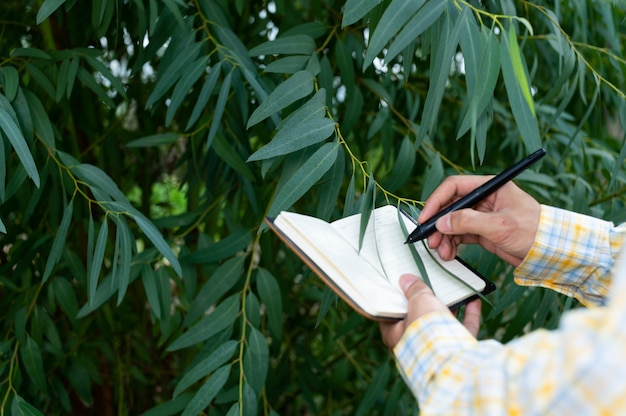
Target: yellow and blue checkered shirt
[577,369]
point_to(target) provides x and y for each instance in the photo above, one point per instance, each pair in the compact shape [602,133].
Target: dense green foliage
[144,141]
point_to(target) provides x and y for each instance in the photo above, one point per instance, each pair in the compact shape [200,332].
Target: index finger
[451,189]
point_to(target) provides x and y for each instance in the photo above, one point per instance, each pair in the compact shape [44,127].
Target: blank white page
[384,239]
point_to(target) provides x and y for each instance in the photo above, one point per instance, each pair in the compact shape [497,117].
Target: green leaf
[157,239]
[87,78]
[47,8]
[288,141]
[287,45]
[402,167]
[305,177]
[270,295]
[172,407]
[222,317]
[193,73]
[205,94]
[256,360]
[3,228]
[424,18]
[13,133]
[30,53]
[207,392]
[59,240]
[96,262]
[126,253]
[297,86]
[20,407]
[62,80]
[315,107]
[518,90]
[433,177]
[41,121]
[395,16]
[10,81]
[328,298]
[155,140]
[249,400]
[97,179]
[375,390]
[287,65]
[173,72]
[368,201]
[97,65]
[219,109]
[332,180]
[227,152]
[226,247]
[447,45]
[205,367]
[220,282]
[414,253]
[148,279]
[65,296]
[356,9]
[33,363]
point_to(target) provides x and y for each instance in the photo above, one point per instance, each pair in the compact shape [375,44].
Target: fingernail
[406,281]
[443,224]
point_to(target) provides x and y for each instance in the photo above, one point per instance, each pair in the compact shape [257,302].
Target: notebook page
[384,239]
[342,263]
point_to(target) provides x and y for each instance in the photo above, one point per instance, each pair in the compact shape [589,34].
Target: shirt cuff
[427,345]
[570,254]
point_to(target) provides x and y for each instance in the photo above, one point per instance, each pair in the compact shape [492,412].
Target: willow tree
[145,141]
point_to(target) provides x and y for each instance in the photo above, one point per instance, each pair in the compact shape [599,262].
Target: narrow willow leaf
[61,86]
[375,390]
[154,140]
[207,392]
[223,249]
[126,253]
[332,180]
[270,295]
[3,172]
[59,240]
[192,74]
[229,154]
[368,201]
[285,45]
[249,400]
[65,296]
[256,360]
[23,113]
[173,7]
[287,65]
[157,239]
[447,44]
[518,91]
[288,141]
[328,298]
[87,78]
[297,86]
[173,72]
[219,109]
[72,71]
[96,262]
[414,253]
[205,367]
[47,8]
[13,133]
[402,166]
[20,407]
[33,363]
[172,407]
[345,63]
[348,206]
[220,282]
[149,281]
[305,177]
[395,16]
[424,18]
[10,81]
[3,228]
[222,317]
[205,94]
[314,108]
[41,121]
[433,177]
[356,9]
[486,77]
[95,177]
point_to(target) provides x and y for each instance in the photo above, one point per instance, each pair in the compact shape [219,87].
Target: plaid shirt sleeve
[576,369]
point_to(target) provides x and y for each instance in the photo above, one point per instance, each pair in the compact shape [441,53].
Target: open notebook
[368,279]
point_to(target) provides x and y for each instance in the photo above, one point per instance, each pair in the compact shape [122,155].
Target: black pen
[483,191]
